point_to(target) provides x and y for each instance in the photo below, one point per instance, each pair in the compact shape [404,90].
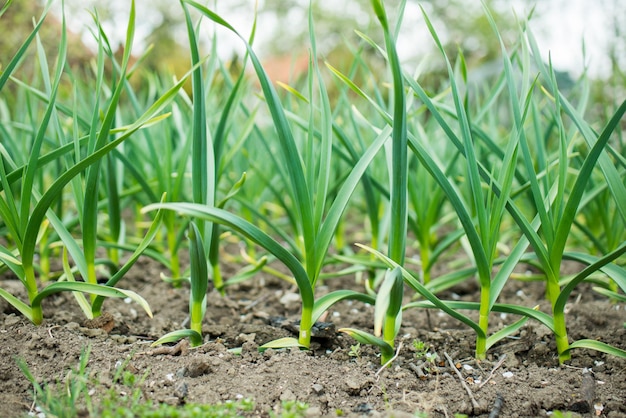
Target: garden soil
[521,376]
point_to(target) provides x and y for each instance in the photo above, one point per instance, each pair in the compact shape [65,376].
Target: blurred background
[579,35]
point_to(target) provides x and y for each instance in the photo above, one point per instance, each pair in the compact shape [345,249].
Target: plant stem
[425,259]
[218,281]
[306,323]
[560,329]
[174,260]
[31,288]
[196,317]
[389,336]
[483,323]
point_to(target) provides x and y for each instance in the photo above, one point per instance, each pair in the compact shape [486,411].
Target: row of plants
[507,173]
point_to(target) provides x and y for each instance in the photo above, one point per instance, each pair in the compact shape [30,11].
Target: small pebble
[353,384]
[71,326]
[198,369]
[181,390]
[363,408]
[318,389]
[287,395]
[180,373]
[11,320]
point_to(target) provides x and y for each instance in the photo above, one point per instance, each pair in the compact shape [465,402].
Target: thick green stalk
[389,336]
[425,250]
[114,208]
[306,323]
[31,287]
[96,142]
[553,290]
[172,244]
[399,164]
[483,320]
[199,279]
[388,310]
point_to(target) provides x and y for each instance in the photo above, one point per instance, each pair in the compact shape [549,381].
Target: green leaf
[80,297]
[344,194]
[8,258]
[202,178]
[598,346]
[287,342]
[137,252]
[445,306]
[388,299]
[506,331]
[5,7]
[52,193]
[94,289]
[22,307]
[199,277]
[175,336]
[367,338]
[291,156]
[612,176]
[8,70]
[323,303]
[618,274]
[96,142]
[247,272]
[584,174]
[613,295]
[399,158]
[250,232]
[539,316]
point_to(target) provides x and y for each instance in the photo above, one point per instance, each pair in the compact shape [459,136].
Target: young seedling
[355,350]
[308,193]
[199,279]
[387,317]
[24,213]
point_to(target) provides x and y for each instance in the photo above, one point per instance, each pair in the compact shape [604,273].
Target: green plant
[307,187]
[422,350]
[559,414]
[387,317]
[355,350]
[481,229]
[26,210]
[72,396]
[199,280]
[68,396]
[557,217]
[291,409]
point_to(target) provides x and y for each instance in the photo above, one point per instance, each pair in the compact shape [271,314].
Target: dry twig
[390,360]
[475,404]
[182,348]
[496,367]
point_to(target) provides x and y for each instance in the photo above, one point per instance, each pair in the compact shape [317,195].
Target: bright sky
[560,29]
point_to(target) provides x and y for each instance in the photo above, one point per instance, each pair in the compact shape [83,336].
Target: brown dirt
[522,372]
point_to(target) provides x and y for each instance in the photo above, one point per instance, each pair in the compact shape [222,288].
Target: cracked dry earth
[520,378]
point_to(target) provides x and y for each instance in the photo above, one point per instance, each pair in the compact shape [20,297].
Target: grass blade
[399,165]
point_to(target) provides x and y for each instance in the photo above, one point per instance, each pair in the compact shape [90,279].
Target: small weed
[71,397]
[355,350]
[422,352]
[559,414]
[291,409]
[421,349]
